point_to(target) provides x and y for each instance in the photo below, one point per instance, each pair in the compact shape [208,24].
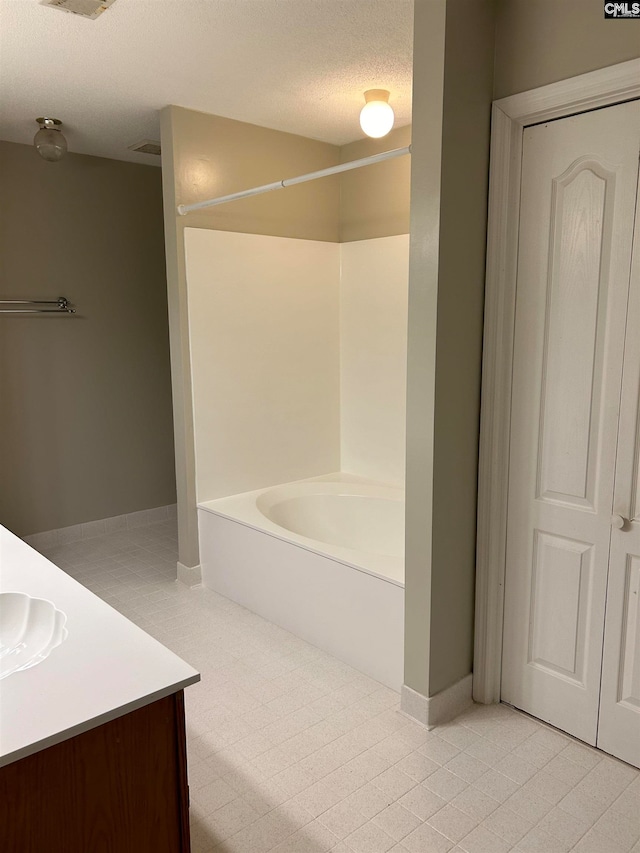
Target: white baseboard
[91,529]
[432,711]
[189,576]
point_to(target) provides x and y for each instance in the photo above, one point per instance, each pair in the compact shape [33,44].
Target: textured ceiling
[295,65]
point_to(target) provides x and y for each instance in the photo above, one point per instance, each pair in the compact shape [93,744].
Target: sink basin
[30,628]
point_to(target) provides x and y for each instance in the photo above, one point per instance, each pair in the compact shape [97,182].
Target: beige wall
[463,222]
[264,320]
[453,73]
[542,41]
[85,401]
[426,159]
[204,156]
[374,202]
[214,156]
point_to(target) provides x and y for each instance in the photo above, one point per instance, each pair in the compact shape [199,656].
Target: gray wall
[85,401]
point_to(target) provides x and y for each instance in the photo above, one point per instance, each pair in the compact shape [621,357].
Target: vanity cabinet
[120,787]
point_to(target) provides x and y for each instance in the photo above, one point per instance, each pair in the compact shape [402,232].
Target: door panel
[629,668]
[576,230]
[560,586]
[580,225]
[619,726]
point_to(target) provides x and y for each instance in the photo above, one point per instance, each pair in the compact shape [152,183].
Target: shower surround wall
[374,276]
[264,330]
[298,358]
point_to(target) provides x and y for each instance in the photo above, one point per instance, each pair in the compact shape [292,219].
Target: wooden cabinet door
[118,788]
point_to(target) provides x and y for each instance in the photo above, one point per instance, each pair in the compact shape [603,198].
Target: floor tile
[426,839]
[582,805]
[481,840]
[580,754]
[507,824]
[231,818]
[445,784]
[214,795]
[394,782]
[547,786]
[486,751]
[293,751]
[618,828]
[422,802]
[452,822]
[439,750]
[474,803]
[564,826]
[342,819]
[496,785]
[369,800]
[369,838]
[417,766]
[594,842]
[458,735]
[528,805]
[516,768]
[318,798]
[467,767]
[567,771]
[539,841]
[397,821]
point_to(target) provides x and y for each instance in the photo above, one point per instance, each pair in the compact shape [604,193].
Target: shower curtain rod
[183,209]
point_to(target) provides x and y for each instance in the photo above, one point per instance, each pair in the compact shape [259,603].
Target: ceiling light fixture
[376,118]
[49,141]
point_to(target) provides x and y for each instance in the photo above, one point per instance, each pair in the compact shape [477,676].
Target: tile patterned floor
[292,751]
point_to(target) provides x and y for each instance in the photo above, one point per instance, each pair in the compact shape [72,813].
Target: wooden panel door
[576,229]
[619,724]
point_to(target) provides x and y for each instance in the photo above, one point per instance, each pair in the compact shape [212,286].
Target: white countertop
[105,668]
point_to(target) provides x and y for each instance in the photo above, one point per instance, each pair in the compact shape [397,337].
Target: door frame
[510,116]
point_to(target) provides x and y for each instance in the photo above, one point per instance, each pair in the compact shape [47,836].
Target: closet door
[579,178]
[619,724]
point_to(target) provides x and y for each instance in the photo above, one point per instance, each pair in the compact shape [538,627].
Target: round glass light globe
[50,143]
[376,119]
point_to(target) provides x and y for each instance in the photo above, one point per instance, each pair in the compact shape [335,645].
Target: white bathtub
[323,558]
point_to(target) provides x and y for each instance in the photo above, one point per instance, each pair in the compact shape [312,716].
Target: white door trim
[510,116]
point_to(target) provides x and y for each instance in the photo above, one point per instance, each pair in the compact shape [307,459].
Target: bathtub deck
[243,508]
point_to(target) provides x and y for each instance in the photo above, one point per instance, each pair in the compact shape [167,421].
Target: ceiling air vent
[147,146]
[85,8]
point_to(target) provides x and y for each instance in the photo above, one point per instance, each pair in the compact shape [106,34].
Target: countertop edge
[87,725]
